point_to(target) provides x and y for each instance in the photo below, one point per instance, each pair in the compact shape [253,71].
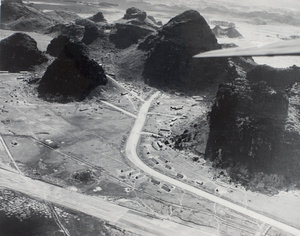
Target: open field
[53,142]
[65,140]
[96,167]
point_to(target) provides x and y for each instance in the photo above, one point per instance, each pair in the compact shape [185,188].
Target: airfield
[99,136]
[108,166]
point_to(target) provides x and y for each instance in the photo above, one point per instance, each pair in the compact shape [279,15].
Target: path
[119,109]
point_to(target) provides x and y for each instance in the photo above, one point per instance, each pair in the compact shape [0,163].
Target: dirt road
[131,147]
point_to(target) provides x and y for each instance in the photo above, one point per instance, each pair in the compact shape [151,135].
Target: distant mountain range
[254,4]
[286,12]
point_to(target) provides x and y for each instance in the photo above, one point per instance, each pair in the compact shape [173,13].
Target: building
[155,182]
[166,188]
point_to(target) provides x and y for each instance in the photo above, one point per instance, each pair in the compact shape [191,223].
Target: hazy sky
[290,4]
[293,4]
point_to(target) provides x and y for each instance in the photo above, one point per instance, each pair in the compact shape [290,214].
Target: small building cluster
[21,207]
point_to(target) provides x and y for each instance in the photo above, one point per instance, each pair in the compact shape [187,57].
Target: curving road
[128,219]
[125,218]
[131,147]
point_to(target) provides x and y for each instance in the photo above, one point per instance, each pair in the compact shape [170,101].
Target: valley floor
[53,142]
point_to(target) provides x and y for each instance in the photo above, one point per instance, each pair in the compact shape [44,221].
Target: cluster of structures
[21,207]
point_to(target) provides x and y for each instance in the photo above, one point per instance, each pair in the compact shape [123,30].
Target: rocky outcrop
[19,52]
[222,23]
[255,126]
[135,13]
[170,62]
[13,10]
[125,35]
[159,23]
[72,75]
[74,31]
[57,45]
[85,22]
[276,78]
[229,32]
[91,33]
[15,15]
[290,150]
[134,26]
[98,17]
[62,16]
[136,16]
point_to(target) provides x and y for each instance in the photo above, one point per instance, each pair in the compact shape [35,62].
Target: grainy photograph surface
[147,117]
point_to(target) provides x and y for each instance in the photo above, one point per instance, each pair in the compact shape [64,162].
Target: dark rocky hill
[91,33]
[57,45]
[72,75]
[255,127]
[62,16]
[276,78]
[171,49]
[159,23]
[230,32]
[134,26]
[74,31]
[92,30]
[19,52]
[85,22]
[98,17]
[15,15]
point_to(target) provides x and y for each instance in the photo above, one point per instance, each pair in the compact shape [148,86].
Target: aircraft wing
[282,48]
